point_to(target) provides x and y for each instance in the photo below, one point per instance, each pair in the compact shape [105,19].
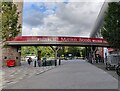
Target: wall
[0,54]
[11,53]
[20,10]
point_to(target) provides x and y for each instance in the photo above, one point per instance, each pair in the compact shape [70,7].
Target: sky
[63,18]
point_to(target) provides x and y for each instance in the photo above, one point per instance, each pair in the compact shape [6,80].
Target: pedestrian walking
[39,63]
[105,61]
[29,60]
[97,59]
[90,58]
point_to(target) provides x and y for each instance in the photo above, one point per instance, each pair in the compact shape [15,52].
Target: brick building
[12,52]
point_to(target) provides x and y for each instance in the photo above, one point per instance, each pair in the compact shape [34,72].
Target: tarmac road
[74,74]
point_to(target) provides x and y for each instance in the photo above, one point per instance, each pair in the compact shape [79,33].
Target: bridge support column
[94,49]
[39,58]
[86,52]
[11,53]
[90,54]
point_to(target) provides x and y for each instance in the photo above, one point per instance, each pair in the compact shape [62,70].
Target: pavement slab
[12,75]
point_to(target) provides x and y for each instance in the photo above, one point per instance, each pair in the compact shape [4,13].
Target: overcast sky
[59,18]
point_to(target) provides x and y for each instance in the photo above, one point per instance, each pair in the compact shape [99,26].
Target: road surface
[74,74]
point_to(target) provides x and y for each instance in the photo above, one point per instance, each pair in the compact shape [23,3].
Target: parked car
[112,61]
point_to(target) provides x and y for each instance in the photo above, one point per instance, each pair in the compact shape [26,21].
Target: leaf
[111,26]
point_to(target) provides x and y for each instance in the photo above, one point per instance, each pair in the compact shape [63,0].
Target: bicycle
[118,69]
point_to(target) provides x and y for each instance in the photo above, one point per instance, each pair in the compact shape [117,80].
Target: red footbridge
[56,41]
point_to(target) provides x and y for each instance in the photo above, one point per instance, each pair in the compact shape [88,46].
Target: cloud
[26,30]
[33,18]
[61,19]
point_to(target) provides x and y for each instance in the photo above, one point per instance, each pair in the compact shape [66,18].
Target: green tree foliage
[75,51]
[83,52]
[10,26]
[61,52]
[111,26]
[46,51]
[0,22]
[32,50]
[29,50]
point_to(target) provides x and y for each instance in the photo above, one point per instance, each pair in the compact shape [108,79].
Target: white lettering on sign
[50,39]
[98,41]
[68,39]
[84,40]
[43,39]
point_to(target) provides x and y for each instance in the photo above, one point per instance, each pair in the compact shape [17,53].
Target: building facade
[12,52]
[96,33]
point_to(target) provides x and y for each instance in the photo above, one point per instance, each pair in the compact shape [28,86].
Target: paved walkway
[11,75]
[0,78]
[77,74]
[102,66]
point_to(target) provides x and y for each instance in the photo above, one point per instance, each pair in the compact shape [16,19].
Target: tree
[0,22]
[32,50]
[46,51]
[111,26]
[75,51]
[29,50]
[83,52]
[10,26]
[61,52]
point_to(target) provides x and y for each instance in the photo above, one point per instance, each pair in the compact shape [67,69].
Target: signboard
[57,39]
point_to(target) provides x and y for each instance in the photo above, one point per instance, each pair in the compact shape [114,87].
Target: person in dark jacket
[29,60]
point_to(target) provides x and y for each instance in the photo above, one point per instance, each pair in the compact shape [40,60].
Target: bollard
[45,63]
[55,62]
[35,64]
[59,62]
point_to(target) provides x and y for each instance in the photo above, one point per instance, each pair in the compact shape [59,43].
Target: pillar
[39,55]
[11,53]
[39,59]
[86,52]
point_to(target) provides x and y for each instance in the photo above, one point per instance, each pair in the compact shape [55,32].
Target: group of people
[35,62]
[97,58]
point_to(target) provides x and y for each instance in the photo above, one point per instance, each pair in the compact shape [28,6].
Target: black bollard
[45,63]
[59,62]
[55,62]
[35,64]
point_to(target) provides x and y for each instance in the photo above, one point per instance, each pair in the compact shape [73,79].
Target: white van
[33,58]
